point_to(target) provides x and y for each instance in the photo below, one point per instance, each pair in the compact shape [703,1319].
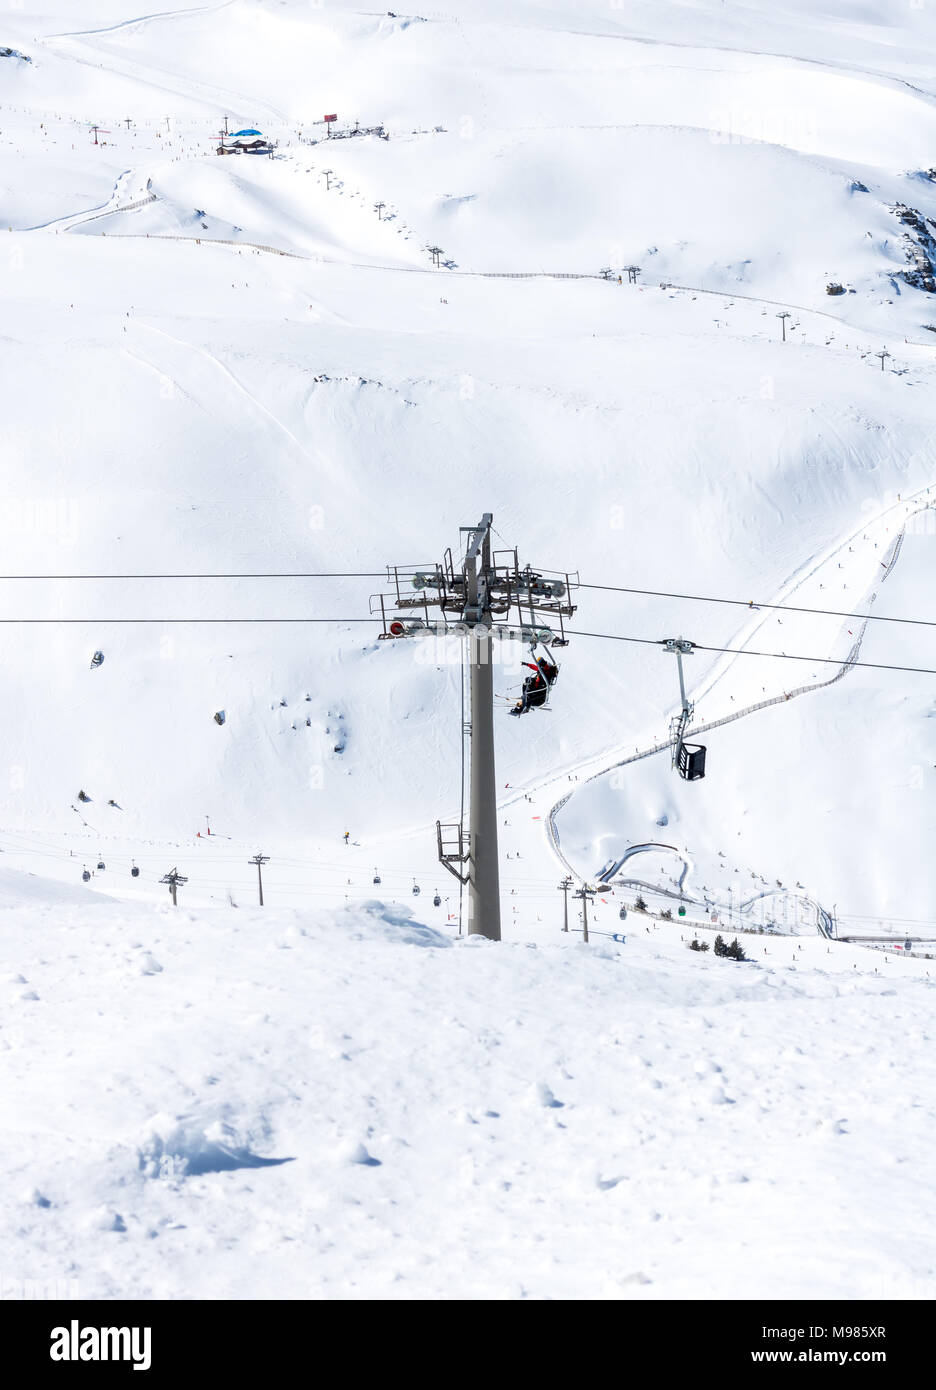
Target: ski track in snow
[257,406]
[64,45]
[551,829]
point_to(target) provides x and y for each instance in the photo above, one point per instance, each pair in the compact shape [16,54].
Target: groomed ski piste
[251,366]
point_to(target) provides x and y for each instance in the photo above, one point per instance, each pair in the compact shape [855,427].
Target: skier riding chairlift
[536,688]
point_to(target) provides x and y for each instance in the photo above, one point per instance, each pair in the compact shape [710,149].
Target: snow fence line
[109,212]
[331,260]
[483,274]
[779,304]
[755,299]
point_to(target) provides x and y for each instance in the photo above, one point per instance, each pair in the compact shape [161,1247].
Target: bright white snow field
[338,1097]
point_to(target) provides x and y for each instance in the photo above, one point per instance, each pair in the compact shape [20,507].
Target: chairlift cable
[335,574]
[787,656]
[381,574]
[338,622]
[755,604]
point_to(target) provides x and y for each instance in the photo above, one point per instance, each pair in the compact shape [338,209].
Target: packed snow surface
[349,1104]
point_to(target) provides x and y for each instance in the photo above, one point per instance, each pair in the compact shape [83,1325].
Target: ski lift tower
[688,758]
[487,594]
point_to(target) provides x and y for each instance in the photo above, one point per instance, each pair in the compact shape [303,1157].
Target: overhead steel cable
[604,636]
[165,621]
[336,574]
[746,651]
[752,604]
[755,604]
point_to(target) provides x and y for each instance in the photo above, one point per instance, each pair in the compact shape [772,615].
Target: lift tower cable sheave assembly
[487,594]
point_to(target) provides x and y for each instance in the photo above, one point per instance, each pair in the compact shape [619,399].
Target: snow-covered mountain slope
[852,753]
[174,406]
[249,367]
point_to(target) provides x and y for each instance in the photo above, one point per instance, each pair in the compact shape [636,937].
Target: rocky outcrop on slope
[919,246]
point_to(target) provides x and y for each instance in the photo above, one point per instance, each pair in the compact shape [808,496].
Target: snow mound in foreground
[299,1104]
[380,921]
[185,1146]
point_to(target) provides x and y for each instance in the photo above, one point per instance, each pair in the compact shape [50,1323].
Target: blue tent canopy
[246,132]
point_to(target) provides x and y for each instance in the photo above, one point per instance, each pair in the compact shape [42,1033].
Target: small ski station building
[245,142]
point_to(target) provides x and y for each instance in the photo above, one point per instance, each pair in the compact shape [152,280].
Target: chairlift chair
[690,761]
[537,687]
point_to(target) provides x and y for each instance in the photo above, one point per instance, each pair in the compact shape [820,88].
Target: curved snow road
[606,875]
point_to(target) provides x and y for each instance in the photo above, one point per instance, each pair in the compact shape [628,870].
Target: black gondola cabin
[690,761]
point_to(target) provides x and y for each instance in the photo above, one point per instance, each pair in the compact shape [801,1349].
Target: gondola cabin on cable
[688,758]
[690,761]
